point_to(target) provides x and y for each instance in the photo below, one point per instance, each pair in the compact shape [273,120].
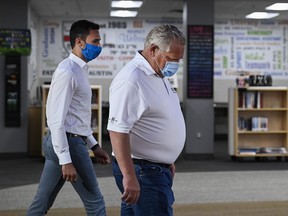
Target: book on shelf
[259,100]
[250,99]
[241,99]
[262,150]
[272,150]
[259,123]
[244,124]
[94,122]
[253,124]
[94,99]
[248,151]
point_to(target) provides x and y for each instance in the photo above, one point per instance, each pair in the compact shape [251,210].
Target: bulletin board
[200,61]
[15,41]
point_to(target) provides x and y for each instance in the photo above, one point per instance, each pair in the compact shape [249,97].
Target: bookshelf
[96,112]
[258,122]
[96,115]
[45,90]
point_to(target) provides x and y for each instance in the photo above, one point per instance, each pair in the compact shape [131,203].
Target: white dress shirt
[69,105]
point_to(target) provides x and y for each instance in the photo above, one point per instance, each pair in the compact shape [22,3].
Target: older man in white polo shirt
[146,125]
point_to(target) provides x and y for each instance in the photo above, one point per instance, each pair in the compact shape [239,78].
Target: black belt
[76,135]
[143,162]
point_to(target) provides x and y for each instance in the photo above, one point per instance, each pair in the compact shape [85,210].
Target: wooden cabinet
[34,132]
[45,90]
[96,112]
[258,122]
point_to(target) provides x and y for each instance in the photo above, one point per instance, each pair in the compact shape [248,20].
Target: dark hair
[81,28]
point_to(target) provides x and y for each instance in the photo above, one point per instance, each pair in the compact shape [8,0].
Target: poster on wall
[120,40]
[250,47]
[200,61]
[15,41]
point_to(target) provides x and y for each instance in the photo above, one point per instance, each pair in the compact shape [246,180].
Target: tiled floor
[219,180]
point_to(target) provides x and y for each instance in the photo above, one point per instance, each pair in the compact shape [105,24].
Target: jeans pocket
[150,170]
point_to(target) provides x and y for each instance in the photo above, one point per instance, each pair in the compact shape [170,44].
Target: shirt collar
[78,60]
[145,65]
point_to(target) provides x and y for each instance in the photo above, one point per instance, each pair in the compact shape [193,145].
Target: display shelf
[45,91]
[258,122]
[96,112]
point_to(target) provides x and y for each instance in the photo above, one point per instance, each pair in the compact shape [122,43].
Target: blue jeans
[51,180]
[156,195]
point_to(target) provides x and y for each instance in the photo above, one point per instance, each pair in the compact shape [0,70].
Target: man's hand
[173,169]
[101,156]
[69,172]
[131,190]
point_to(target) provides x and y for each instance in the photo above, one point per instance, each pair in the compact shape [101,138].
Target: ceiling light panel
[126,4]
[278,7]
[123,13]
[261,15]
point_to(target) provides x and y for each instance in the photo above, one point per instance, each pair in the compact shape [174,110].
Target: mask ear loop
[164,60]
[162,56]
[153,50]
[161,70]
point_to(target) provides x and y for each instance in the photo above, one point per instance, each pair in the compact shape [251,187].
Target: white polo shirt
[148,108]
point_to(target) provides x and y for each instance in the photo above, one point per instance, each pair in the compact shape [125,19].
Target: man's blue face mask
[170,68]
[90,52]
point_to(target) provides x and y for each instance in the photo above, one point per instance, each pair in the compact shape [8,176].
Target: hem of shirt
[117,129]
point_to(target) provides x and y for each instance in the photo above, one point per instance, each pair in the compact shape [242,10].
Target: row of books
[249,100]
[262,150]
[94,123]
[253,124]
[94,99]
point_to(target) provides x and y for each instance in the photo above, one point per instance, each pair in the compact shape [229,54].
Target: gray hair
[163,36]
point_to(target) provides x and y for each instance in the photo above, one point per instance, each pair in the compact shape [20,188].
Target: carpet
[275,208]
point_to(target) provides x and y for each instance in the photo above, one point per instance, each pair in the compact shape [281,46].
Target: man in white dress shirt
[146,125]
[69,118]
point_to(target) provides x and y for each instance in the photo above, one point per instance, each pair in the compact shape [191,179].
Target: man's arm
[121,148]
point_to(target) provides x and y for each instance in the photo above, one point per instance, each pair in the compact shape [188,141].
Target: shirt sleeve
[126,106]
[58,102]
[91,141]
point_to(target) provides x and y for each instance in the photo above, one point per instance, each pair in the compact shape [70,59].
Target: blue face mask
[170,68]
[90,52]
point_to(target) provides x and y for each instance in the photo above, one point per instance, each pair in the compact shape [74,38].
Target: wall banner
[120,40]
[250,47]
